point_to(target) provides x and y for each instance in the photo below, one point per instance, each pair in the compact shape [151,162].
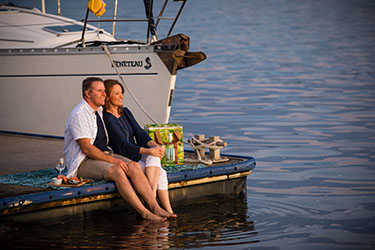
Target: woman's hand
[156,151]
[161,150]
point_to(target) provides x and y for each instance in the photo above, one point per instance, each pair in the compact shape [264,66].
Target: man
[87,154]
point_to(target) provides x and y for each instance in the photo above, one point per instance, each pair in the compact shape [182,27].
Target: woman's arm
[156,151]
[152,144]
[147,145]
[118,139]
[139,133]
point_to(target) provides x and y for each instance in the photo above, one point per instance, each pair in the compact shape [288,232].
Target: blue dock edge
[247,164]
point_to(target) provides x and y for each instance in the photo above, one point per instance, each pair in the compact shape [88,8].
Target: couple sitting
[137,156]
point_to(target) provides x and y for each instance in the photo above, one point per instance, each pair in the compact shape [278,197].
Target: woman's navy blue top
[125,135]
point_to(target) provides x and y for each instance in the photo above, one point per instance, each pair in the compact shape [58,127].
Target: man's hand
[96,154]
[121,164]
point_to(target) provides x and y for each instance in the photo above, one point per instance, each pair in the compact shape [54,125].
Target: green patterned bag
[170,135]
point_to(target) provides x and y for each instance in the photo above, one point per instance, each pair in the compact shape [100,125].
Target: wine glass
[61,165]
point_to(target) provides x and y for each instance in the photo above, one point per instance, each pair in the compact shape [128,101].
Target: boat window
[60,29]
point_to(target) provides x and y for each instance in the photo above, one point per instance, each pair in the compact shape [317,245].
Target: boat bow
[179,57]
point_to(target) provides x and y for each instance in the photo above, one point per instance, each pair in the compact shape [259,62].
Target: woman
[127,138]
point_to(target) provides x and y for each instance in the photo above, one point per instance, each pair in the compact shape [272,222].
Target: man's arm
[96,154]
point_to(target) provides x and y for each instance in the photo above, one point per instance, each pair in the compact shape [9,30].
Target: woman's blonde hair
[108,88]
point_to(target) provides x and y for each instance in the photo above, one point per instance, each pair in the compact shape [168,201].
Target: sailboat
[44,58]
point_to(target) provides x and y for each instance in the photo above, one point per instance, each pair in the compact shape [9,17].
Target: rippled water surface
[290,83]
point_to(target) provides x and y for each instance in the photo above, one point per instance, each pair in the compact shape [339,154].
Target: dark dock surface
[23,154]
[27,153]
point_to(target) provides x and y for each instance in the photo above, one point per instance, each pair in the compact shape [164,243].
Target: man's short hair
[86,84]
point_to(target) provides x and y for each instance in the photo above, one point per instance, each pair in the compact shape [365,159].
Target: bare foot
[161,212]
[171,212]
[173,215]
[151,216]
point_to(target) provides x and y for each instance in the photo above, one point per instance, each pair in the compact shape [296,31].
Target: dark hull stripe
[87,74]
[31,134]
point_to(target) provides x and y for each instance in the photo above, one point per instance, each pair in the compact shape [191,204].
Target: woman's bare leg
[152,174]
[164,200]
[127,192]
[142,186]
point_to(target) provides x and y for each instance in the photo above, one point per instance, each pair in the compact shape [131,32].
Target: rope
[197,144]
[126,86]
[211,145]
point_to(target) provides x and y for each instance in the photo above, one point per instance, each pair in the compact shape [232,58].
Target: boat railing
[149,19]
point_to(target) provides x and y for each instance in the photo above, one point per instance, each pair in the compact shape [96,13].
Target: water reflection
[218,223]
[222,223]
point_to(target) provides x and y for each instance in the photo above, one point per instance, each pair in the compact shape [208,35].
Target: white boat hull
[39,88]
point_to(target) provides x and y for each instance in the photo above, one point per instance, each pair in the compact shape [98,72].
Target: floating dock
[23,204]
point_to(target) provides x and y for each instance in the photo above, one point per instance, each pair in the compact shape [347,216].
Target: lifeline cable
[126,86]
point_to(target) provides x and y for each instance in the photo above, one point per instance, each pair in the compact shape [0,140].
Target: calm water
[291,83]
